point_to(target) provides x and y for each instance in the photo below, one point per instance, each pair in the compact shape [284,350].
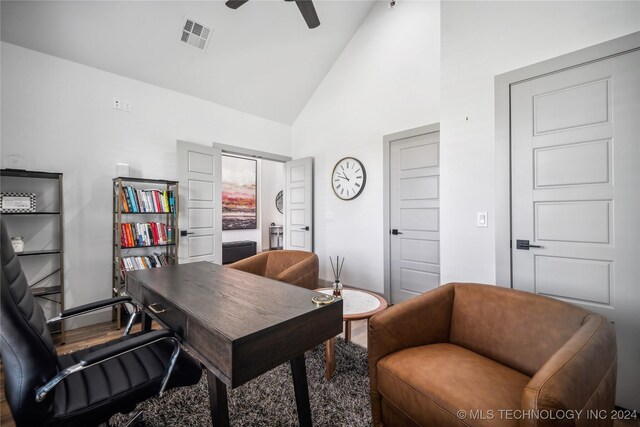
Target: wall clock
[279,201]
[348,178]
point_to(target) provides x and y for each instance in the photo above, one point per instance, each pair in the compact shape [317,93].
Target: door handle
[524,245]
[395,232]
[185,232]
[306,228]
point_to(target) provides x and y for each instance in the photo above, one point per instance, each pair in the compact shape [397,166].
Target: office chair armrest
[122,347]
[115,350]
[87,308]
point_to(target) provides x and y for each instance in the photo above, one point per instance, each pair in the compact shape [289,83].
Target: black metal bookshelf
[46,290]
[48,190]
[34,253]
[31,213]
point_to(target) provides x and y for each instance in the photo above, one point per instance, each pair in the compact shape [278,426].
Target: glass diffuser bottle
[337,270]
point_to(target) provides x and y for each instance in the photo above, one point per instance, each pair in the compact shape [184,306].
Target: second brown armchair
[472,355]
[298,268]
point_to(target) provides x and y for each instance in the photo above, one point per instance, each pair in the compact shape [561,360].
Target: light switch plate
[483,220]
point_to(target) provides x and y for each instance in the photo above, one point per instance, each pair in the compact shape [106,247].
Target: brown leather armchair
[298,268]
[497,354]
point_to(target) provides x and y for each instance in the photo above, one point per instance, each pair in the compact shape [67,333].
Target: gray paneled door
[199,170]
[414,217]
[298,204]
[575,144]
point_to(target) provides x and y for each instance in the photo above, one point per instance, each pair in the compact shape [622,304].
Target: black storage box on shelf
[235,251]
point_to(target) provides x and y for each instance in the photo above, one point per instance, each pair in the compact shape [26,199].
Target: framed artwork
[239,193]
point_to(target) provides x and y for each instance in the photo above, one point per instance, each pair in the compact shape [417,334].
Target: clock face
[348,178]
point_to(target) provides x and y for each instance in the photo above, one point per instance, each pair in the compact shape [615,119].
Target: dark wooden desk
[238,324]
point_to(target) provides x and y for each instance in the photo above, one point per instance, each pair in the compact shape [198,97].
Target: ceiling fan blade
[308,12]
[234,4]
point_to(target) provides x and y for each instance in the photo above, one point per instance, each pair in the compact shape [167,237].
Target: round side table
[356,305]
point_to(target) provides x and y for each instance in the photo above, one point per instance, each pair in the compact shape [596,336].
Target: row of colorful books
[136,200]
[132,263]
[136,234]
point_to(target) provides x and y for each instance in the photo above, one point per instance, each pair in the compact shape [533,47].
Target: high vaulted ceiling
[261,58]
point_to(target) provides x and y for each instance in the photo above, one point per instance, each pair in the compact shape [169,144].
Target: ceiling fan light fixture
[306,8]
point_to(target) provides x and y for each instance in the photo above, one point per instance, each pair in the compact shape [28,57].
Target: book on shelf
[134,200]
[140,234]
[123,202]
[132,263]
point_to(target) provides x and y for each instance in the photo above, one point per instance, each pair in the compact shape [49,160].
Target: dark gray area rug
[269,399]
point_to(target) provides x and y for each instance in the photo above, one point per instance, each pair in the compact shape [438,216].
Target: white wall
[272,183]
[479,41]
[57,114]
[386,80]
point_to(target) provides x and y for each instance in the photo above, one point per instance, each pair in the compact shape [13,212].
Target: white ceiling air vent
[195,35]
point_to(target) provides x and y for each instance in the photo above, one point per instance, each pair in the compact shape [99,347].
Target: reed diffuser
[337,270]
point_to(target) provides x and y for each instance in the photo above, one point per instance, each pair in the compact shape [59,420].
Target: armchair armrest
[86,308]
[115,350]
[420,321]
[304,274]
[423,320]
[581,375]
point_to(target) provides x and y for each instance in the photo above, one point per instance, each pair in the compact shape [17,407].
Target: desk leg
[218,401]
[299,372]
[145,321]
[331,358]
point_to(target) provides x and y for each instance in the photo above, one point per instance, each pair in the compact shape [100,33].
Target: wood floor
[97,334]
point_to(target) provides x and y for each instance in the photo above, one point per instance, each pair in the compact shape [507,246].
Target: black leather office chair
[86,387]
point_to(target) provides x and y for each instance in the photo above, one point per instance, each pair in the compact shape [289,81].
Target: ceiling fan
[306,7]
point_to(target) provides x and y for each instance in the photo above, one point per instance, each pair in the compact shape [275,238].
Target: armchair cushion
[445,378]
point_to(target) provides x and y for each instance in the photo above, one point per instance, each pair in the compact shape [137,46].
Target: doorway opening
[200,200]
[251,189]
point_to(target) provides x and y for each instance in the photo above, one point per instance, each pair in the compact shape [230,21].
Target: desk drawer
[164,311]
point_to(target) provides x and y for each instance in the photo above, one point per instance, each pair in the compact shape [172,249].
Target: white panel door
[414,174]
[298,204]
[575,146]
[200,225]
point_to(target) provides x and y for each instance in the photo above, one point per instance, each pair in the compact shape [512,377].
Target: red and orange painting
[238,193]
